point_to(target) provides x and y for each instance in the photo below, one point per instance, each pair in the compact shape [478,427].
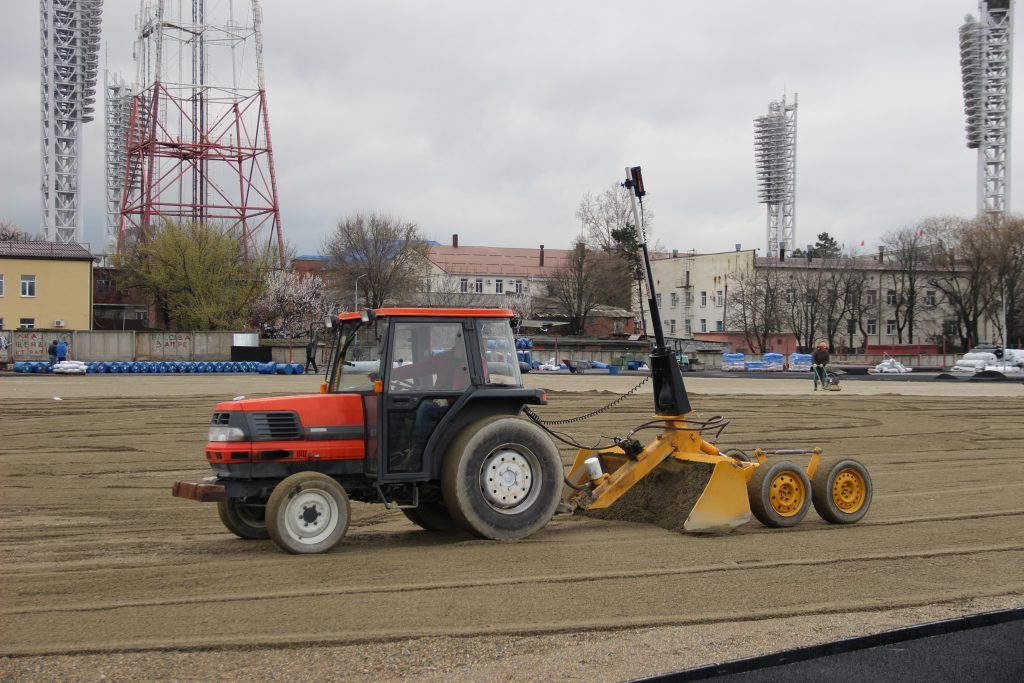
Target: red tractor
[427,418]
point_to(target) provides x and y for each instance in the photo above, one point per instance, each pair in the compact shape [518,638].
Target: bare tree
[1002,243]
[581,285]
[835,296]
[9,230]
[908,259]
[522,305]
[958,271]
[754,306]
[607,221]
[384,256]
[857,287]
[802,311]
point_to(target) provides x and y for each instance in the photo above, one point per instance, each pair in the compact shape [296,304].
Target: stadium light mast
[986,67]
[70,45]
[775,168]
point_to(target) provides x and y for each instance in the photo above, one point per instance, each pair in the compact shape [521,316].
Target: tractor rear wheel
[779,493]
[502,478]
[431,516]
[308,512]
[842,490]
[243,520]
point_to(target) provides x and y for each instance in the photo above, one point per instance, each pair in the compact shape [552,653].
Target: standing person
[819,360]
[62,351]
[51,350]
[311,350]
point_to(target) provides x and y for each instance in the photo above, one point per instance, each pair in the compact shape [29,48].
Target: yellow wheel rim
[787,494]
[849,490]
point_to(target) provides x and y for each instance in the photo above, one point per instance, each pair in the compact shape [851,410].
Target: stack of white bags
[70,367]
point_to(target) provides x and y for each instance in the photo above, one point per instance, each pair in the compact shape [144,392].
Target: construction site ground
[104,574]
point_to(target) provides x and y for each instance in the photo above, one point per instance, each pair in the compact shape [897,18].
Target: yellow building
[45,285]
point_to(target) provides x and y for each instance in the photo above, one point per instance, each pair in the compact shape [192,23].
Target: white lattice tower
[775,168]
[986,66]
[69,41]
[117,111]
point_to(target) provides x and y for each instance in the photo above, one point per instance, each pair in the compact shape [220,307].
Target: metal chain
[586,416]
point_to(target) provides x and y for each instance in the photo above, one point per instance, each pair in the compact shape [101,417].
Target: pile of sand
[664,497]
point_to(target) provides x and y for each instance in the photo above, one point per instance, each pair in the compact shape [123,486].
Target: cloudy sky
[492,119]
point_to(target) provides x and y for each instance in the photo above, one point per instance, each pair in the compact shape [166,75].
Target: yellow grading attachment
[723,504]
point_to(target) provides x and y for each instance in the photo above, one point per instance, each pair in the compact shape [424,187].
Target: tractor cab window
[501,364]
[428,358]
[361,364]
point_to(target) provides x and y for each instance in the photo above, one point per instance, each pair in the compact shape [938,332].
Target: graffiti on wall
[171,344]
[31,345]
[5,347]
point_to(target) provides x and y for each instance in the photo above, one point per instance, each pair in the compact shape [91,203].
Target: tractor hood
[312,409]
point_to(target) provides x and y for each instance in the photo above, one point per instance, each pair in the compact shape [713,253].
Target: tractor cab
[417,372]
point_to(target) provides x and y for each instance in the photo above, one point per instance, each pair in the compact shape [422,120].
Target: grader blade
[723,505]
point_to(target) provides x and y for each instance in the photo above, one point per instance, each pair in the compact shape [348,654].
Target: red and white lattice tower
[198,138]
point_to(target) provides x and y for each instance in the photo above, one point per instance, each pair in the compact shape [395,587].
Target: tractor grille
[275,426]
[220,418]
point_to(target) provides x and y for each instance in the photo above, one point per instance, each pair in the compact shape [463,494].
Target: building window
[1,284]
[499,286]
[890,297]
[851,326]
[872,299]
[673,299]
[478,286]
[703,299]
[872,326]
[929,297]
[671,326]
[688,326]
[719,326]
[619,326]
[519,286]
[790,295]
[703,325]
[718,298]
[689,298]
[140,315]
[27,324]
[658,297]
[28,285]
[890,327]
[464,285]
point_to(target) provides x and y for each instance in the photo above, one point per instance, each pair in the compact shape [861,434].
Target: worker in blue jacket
[62,351]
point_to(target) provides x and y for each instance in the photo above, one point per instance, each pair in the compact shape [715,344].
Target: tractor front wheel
[242,519]
[431,516]
[502,478]
[779,493]
[308,512]
[842,491]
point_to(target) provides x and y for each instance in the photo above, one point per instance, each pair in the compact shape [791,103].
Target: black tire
[739,455]
[431,516]
[779,493]
[852,476]
[528,491]
[308,512]
[244,521]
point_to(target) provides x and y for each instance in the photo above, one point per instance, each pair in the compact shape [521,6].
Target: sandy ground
[104,574]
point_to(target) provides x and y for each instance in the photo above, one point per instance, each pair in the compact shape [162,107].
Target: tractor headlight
[225,433]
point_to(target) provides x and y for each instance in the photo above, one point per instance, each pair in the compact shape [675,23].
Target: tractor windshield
[353,368]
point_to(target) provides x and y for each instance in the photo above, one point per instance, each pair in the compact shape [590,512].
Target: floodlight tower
[775,167]
[117,107]
[70,42]
[198,137]
[986,66]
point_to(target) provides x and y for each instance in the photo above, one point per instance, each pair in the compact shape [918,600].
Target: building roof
[32,249]
[497,260]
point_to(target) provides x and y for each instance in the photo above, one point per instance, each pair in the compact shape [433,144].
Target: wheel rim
[849,490]
[787,493]
[510,478]
[311,516]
